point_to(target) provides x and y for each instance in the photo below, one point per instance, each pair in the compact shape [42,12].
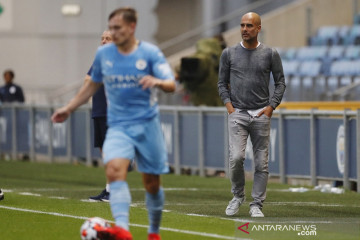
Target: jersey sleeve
[96,73]
[160,67]
[90,71]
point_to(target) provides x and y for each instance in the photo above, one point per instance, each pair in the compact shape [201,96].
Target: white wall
[48,50]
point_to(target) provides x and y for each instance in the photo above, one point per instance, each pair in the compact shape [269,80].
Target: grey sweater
[244,77]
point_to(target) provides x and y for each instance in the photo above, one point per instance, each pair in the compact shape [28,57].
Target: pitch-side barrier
[307,144]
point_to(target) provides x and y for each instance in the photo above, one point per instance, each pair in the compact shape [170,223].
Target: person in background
[98,113]
[11,92]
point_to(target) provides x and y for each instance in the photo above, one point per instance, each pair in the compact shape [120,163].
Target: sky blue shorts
[143,142]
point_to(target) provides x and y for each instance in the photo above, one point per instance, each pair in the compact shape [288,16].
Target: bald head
[254,17]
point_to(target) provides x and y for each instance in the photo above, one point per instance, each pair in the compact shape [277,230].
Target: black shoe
[102,197]
[1,195]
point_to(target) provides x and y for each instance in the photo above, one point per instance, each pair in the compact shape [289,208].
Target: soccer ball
[87,230]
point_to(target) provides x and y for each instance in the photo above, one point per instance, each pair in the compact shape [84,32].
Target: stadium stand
[330,62]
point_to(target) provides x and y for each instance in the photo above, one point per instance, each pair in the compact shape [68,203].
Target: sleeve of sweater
[224,77]
[279,79]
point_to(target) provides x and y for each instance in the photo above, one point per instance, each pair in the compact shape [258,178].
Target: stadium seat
[343,33]
[343,68]
[310,68]
[290,67]
[353,37]
[352,52]
[290,54]
[336,52]
[327,35]
[312,53]
[331,61]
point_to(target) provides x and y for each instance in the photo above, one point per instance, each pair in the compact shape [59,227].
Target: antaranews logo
[243,226]
[299,229]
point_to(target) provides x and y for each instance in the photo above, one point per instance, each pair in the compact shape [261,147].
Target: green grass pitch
[44,202]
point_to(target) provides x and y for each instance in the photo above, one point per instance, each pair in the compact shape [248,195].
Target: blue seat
[290,67]
[290,53]
[343,33]
[356,68]
[345,68]
[352,52]
[336,52]
[310,68]
[353,37]
[327,35]
[312,53]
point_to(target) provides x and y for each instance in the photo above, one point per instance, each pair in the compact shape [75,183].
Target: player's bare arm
[86,91]
[150,82]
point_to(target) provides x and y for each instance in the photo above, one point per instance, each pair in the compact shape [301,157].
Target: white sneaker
[256,212]
[1,195]
[234,206]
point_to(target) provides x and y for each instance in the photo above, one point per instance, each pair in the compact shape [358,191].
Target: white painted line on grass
[271,221]
[60,198]
[42,212]
[131,224]
[7,190]
[172,189]
[29,194]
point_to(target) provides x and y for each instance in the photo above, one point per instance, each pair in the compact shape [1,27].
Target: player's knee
[115,172]
[152,184]
[152,188]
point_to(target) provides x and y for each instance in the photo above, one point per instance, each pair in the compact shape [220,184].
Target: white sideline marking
[61,198]
[7,190]
[131,224]
[29,194]
[172,189]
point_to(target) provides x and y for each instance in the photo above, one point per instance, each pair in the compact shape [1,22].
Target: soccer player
[131,71]
[98,113]
[244,77]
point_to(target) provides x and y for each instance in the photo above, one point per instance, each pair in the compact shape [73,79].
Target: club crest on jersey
[108,63]
[141,64]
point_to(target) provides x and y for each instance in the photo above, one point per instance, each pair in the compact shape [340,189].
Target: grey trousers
[241,125]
